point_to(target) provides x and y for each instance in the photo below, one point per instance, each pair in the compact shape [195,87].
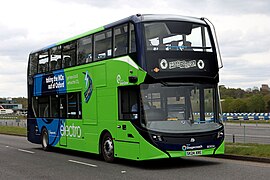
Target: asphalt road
[20,159]
[248,133]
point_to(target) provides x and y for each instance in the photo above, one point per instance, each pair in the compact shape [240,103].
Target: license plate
[194,153]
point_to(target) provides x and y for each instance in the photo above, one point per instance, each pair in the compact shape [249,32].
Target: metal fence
[247,133]
[17,122]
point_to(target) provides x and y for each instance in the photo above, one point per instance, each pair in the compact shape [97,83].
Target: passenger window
[103,45]
[74,106]
[58,106]
[55,61]
[54,106]
[85,50]
[44,106]
[69,55]
[33,64]
[121,40]
[43,62]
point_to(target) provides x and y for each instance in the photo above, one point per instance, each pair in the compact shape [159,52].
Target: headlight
[157,138]
[220,134]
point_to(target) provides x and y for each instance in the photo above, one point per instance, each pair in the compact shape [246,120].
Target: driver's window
[128,103]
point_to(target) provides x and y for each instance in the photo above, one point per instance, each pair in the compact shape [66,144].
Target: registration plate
[194,153]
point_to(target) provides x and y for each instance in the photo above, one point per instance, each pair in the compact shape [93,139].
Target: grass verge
[13,130]
[255,150]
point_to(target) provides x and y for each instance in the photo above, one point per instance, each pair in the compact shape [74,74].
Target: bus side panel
[74,132]
[32,135]
[127,150]
[106,111]
[54,128]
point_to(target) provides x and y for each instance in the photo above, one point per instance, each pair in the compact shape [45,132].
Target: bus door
[127,139]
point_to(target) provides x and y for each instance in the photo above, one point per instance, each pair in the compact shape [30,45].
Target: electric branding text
[70,131]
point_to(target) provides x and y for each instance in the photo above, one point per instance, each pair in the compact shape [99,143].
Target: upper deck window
[69,55]
[103,45]
[33,64]
[177,36]
[85,50]
[55,61]
[43,64]
[121,40]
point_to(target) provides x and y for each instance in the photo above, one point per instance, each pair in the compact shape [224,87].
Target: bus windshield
[179,108]
[176,36]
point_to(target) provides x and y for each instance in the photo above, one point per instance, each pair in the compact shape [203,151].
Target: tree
[256,103]
[238,105]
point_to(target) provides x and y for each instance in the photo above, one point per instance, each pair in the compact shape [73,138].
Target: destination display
[176,65]
[181,64]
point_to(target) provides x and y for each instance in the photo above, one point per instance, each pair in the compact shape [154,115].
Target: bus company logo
[200,64]
[163,64]
[188,147]
[88,87]
[118,78]
[184,147]
[70,131]
[120,81]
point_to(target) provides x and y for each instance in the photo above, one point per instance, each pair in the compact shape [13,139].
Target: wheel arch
[101,137]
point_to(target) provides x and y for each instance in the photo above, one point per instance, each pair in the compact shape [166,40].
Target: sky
[242,26]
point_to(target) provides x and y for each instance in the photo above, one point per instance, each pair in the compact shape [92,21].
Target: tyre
[45,140]
[107,147]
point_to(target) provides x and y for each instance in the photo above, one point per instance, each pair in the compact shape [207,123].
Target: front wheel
[107,148]
[45,140]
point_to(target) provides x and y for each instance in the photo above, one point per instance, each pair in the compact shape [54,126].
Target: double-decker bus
[144,87]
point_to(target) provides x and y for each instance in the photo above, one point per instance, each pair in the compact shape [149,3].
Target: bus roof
[135,19]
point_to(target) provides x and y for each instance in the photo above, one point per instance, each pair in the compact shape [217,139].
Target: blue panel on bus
[38,85]
[53,127]
[50,83]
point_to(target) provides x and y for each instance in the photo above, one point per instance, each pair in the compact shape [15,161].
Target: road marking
[22,150]
[87,164]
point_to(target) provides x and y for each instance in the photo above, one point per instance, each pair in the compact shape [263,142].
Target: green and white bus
[144,87]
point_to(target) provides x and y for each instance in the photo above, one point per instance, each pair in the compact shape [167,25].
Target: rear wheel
[45,140]
[107,147]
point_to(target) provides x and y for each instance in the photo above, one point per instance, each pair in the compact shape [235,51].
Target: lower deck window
[58,106]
